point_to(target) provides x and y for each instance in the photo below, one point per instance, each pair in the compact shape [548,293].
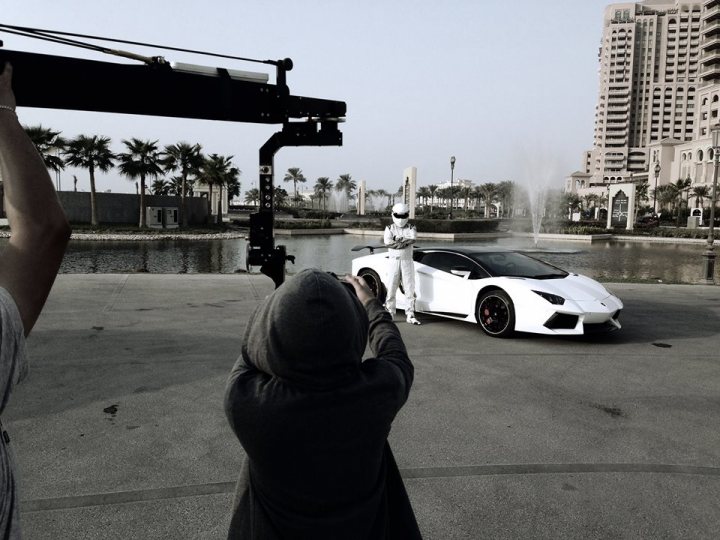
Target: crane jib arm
[157,89]
[59,82]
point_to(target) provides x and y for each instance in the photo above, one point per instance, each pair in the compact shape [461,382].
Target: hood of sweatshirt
[311,331]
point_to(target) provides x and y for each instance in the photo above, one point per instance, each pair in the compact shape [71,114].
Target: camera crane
[156,87]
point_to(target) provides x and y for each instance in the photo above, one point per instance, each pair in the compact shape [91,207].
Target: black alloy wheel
[496,314]
[373,281]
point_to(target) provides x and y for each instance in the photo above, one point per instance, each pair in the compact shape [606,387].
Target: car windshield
[515,264]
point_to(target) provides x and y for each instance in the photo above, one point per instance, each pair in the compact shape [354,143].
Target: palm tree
[423,193]
[297,199]
[571,201]
[186,158]
[591,201]
[142,160]
[280,197]
[488,191]
[347,184]
[208,175]
[91,153]
[443,194]
[666,194]
[217,170]
[681,185]
[506,195]
[641,193]
[252,196]
[432,188]
[398,193]
[294,175]
[161,187]
[175,185]
[48,143]
[465,191]
[603,200]
[700,193]
[233,186]
[322,186]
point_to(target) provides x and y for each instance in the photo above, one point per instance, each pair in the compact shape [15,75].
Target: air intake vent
[562,321]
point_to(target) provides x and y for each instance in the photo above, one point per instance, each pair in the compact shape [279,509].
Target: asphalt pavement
[119,430]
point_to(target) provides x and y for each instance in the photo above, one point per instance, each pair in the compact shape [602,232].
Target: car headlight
[552,298]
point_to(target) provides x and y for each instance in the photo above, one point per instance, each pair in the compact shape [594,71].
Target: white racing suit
[399,241]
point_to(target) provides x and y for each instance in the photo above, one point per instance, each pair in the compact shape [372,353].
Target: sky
[508,88]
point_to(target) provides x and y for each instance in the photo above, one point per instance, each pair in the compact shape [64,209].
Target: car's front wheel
[373,281]
[496,314]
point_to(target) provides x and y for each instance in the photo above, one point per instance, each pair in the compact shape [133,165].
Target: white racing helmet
[400,214]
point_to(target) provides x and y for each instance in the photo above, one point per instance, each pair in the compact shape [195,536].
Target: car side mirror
[461,271]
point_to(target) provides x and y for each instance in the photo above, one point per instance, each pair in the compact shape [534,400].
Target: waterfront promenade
[120,433]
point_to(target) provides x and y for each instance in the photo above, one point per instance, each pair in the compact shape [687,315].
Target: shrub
[304,224]
[583,229]
[290,224]
[305,213]
[450,226]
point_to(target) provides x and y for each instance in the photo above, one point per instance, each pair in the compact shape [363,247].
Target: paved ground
[120,431]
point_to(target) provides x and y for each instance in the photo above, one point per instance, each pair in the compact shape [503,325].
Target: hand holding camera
[360,288]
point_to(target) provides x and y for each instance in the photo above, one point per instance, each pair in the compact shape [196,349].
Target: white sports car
[505,291]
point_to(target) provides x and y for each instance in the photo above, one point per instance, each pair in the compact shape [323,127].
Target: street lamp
[709,255]
[657,173]
[452,169]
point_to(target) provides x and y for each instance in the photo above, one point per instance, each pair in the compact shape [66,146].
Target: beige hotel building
[659,96]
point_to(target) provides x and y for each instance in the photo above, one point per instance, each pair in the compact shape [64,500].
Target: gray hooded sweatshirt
[313,417]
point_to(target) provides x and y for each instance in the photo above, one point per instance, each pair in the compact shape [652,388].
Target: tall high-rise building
[659,94]
[649,60]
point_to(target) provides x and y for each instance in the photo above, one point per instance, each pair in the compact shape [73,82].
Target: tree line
[464,195]
[175,169]
[670,197]
[322,188]
[142,160]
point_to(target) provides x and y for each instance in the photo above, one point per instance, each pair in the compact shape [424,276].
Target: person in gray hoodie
[313,417]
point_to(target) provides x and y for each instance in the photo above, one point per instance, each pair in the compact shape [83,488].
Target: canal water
[605,261]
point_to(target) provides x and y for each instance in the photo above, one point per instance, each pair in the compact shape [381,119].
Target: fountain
[537,182]
[538,198]
[338,202]
[376,203]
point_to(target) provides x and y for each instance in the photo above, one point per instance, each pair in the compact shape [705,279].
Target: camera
[347,285]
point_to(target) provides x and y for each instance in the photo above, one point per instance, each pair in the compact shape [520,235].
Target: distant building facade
[659,95]
[124,208]
[219,197]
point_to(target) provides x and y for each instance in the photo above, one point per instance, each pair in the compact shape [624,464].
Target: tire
[496,314]
[373,281]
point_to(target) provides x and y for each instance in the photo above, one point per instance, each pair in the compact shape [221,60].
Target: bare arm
[39,228]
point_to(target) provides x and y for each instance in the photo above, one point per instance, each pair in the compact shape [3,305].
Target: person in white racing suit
[399,238]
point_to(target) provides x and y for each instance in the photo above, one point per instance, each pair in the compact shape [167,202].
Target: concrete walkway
[119,430]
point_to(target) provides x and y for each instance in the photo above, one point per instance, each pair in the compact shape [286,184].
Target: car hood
[572,287]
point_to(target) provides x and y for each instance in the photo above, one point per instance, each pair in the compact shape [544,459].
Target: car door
[439,289]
